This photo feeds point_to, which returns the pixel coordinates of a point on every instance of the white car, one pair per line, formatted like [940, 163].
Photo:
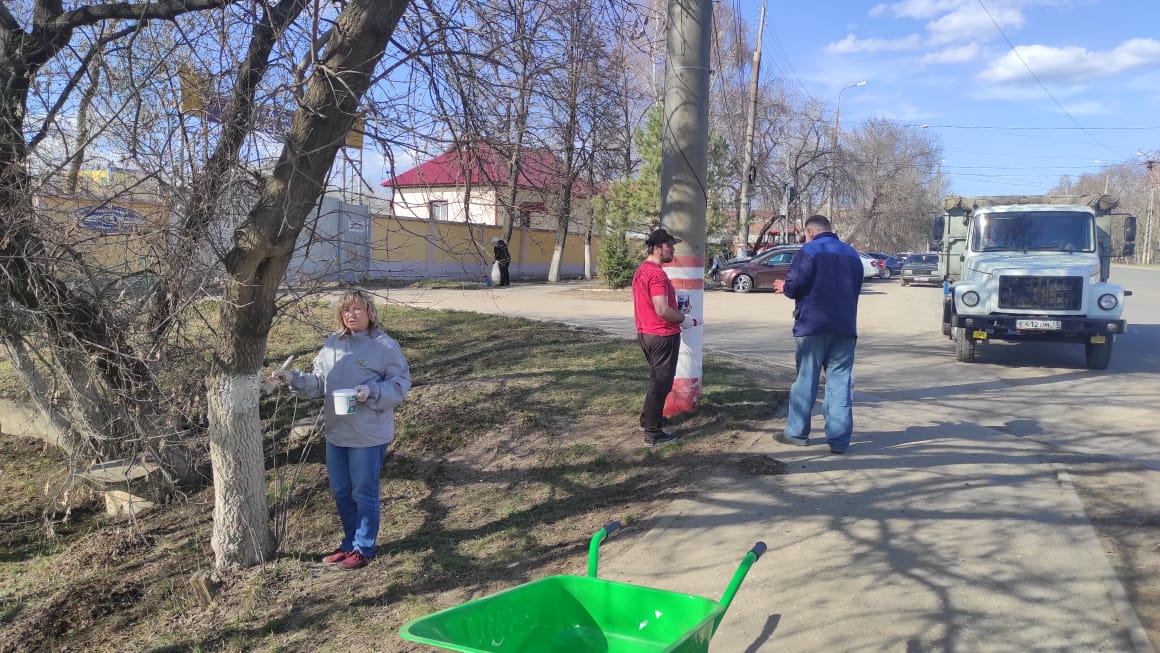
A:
[870, 266]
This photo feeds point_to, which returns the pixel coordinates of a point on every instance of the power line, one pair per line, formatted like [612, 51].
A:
[1013, 128]
[1039, 81]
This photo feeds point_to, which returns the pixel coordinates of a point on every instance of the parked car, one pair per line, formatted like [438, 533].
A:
[759, 272]
[871, 267]
[921, 268]
[901, 257]
[891, 265]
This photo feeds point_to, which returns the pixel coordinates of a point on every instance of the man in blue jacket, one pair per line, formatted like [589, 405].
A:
[824, 280]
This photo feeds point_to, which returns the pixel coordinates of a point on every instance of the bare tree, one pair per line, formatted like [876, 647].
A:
[892, 169]
[59, 319]
[55, 306]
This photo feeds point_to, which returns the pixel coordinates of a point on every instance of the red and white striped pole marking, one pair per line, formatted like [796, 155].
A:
[687, 274]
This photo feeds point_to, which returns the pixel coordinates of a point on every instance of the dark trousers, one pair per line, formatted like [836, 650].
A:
[504, 279]
[661, 353]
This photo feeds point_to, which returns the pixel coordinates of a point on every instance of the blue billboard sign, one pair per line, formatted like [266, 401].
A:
[108, 219]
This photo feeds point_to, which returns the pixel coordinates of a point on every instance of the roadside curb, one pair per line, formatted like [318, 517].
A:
[1116, 592]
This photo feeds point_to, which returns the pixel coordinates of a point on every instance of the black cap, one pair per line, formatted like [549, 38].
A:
[660, 237]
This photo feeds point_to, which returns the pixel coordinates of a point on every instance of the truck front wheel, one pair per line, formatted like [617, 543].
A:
[965, 350]
[1098, 355]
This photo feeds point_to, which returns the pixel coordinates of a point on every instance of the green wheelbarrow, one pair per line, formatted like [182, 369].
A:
[580, 614]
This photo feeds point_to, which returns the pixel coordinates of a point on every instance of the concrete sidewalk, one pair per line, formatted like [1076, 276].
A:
[925, 536]
[931, 534]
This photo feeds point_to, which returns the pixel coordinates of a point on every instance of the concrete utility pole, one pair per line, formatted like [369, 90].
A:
[1149, 228]
[749, 172]
[837, 159]
[684, 164]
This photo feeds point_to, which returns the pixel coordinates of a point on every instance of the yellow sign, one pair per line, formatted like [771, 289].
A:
[195, 89]
[354, 137]
[198, 96]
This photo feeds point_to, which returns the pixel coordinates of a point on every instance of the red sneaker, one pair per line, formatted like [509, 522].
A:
[355, 560]
[338, 556]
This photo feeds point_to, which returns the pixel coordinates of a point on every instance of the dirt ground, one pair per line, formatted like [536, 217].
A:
[494, 513]
[1118, 503]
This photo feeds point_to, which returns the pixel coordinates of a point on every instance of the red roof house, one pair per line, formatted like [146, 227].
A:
[436, 188]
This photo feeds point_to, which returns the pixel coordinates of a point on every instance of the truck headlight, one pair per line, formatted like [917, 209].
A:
[971, 298]
[1107, 302]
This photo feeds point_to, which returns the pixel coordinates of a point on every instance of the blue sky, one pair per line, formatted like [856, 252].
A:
[1084, 90]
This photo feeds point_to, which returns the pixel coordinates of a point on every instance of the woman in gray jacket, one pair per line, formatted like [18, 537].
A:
[358, 357]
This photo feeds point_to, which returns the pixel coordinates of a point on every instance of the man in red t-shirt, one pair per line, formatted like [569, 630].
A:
[658, 330]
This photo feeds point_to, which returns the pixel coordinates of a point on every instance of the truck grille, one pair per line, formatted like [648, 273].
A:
[1044, 293]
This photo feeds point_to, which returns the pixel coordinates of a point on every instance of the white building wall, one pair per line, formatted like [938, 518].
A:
[414, 203]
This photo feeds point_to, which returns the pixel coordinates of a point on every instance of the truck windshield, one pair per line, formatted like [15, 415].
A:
[1064, 231]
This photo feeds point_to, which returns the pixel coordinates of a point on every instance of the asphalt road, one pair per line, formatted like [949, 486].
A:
[1038, 391]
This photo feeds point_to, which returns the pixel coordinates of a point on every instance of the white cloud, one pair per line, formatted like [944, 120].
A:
[923, 9]
[852, 44]
[1071, 65]
[1090, 108]
[956, 54]
[969, 22]
[947, 22]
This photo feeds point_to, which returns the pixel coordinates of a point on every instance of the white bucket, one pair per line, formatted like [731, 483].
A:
[345, 402]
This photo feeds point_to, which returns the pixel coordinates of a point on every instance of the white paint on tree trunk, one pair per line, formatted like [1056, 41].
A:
[241, 534]
[554, 268]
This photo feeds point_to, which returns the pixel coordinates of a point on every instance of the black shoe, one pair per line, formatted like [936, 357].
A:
[780, 437]
[664, 421]
[837, 451]
[655, 439]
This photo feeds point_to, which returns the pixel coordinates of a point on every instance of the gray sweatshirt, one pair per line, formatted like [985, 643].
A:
[370, 358]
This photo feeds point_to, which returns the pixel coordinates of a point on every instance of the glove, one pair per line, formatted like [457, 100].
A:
[689, 322]
[362, 393]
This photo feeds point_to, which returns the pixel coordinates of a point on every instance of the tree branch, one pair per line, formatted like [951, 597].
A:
[167, 10]
[8, 22]
[81, 71]
[236, 123]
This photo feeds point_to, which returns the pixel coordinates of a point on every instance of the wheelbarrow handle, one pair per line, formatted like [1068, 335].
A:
[594, 546]
[738, 576]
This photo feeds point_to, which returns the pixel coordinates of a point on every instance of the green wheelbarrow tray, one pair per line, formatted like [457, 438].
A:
[580, 614]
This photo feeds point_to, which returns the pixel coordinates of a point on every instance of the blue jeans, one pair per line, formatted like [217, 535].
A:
[835, 354]
[354, 480]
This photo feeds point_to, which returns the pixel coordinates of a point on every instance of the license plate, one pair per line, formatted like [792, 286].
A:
[1099, 340]
[1038, 325]
[979, 335]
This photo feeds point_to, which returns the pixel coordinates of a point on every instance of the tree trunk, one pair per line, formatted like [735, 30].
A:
[59, 426]
[256, 266]
[241, 533]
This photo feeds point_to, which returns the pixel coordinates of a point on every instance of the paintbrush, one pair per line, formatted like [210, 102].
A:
[268, 387]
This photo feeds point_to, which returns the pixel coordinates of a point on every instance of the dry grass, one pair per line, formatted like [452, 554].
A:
[517, 442]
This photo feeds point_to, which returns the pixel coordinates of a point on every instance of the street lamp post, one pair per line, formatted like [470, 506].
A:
[837, 160]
